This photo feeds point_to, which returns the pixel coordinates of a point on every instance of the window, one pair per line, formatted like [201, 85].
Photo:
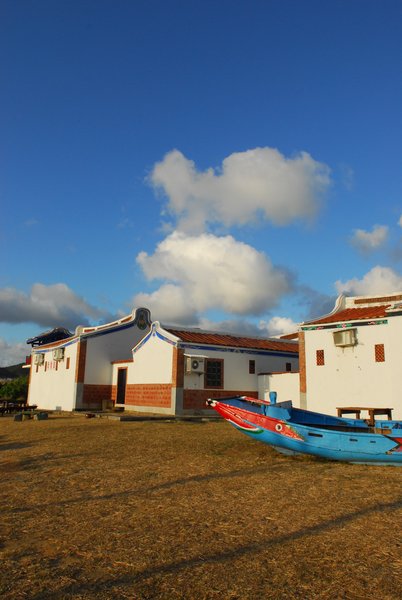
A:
[68, 362]
[251, 367]
[214, 373]
[288, 367]
[379, 353]
[320, 358]
[345, 337]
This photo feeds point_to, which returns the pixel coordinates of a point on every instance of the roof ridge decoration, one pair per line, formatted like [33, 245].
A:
[397, 296]
[141, 317]
[340, 304]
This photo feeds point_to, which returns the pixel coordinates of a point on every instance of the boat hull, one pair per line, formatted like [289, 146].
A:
[336, 439]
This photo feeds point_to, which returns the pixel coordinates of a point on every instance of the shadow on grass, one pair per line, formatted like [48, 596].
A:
[143, 492]
[16, 446]
[219, 557]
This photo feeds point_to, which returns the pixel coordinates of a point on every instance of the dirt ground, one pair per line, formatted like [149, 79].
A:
[95, 508]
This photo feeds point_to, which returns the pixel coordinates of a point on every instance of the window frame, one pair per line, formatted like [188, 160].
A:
[222, 376]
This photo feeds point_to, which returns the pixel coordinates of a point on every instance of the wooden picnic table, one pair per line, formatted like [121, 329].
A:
[11, 406]
[372, 412]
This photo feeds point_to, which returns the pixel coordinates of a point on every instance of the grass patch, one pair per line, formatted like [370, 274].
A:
[150, 510]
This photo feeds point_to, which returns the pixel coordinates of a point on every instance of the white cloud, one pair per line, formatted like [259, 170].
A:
[250, 185]
[13, 354]
[380, 280]
[367, 241]
[278, 326]
[232, 326]
[169, 304]
[208, 272]
[400, 221]
[46, 305]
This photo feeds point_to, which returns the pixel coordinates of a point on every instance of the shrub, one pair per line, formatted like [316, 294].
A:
[15, 389]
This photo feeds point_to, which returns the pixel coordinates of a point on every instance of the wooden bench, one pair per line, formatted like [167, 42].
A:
[372, 412]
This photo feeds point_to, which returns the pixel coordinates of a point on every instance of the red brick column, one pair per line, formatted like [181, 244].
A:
[81, 359]
[302, 363]
[178, 368]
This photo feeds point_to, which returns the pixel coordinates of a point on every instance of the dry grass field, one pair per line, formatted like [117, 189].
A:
[95, 508]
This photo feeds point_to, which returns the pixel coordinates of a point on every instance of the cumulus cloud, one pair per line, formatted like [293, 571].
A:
[46, 305]
[380, 280]
[12, 354]
[277, 326]
[367, 241]
[169, 304]
[206, 272]
[251, 184]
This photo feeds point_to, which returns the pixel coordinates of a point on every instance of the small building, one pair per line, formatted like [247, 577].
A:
[175, 370]
[353, 356]
[74, 371]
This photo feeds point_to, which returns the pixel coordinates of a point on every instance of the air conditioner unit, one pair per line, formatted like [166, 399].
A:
[58, 354]
[195, 364]
[39, 359]
[345, 337]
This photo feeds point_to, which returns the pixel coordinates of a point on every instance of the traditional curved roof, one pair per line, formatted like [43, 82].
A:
[194, 336]
[353, 314]
[48, 337]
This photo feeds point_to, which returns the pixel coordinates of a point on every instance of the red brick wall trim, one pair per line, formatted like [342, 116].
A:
[196, 399]
[144, 394]
[95, 394]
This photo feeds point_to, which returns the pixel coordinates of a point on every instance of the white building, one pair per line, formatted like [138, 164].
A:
[353, 356]
[133, 364]
[175, 370]
[76, 372]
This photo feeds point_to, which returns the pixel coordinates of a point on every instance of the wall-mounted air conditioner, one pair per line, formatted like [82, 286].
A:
[195, 364]
[345, 337]
[39, 359]
[58, 354]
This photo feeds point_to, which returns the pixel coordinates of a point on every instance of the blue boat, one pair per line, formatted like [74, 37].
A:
[296, 431]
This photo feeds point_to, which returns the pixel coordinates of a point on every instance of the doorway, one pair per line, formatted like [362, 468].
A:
[121, 386]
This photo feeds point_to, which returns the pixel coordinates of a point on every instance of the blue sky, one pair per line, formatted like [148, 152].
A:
[230, 164]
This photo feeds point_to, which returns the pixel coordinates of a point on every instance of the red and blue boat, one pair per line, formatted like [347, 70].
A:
[296, 431]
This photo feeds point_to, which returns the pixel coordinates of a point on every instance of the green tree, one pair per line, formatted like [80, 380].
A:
[15, 389]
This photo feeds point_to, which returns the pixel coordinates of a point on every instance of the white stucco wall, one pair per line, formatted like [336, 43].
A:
[52, 389]
[152, 363]
[350, 375]
[286, 386]
[103, 349]
[236, 368]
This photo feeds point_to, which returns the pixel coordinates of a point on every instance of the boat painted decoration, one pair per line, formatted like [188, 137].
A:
[296, 431]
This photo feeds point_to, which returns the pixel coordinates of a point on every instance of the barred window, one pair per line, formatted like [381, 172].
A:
[379, 353]
[214, 373]
[320, 358]
[251, 367]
